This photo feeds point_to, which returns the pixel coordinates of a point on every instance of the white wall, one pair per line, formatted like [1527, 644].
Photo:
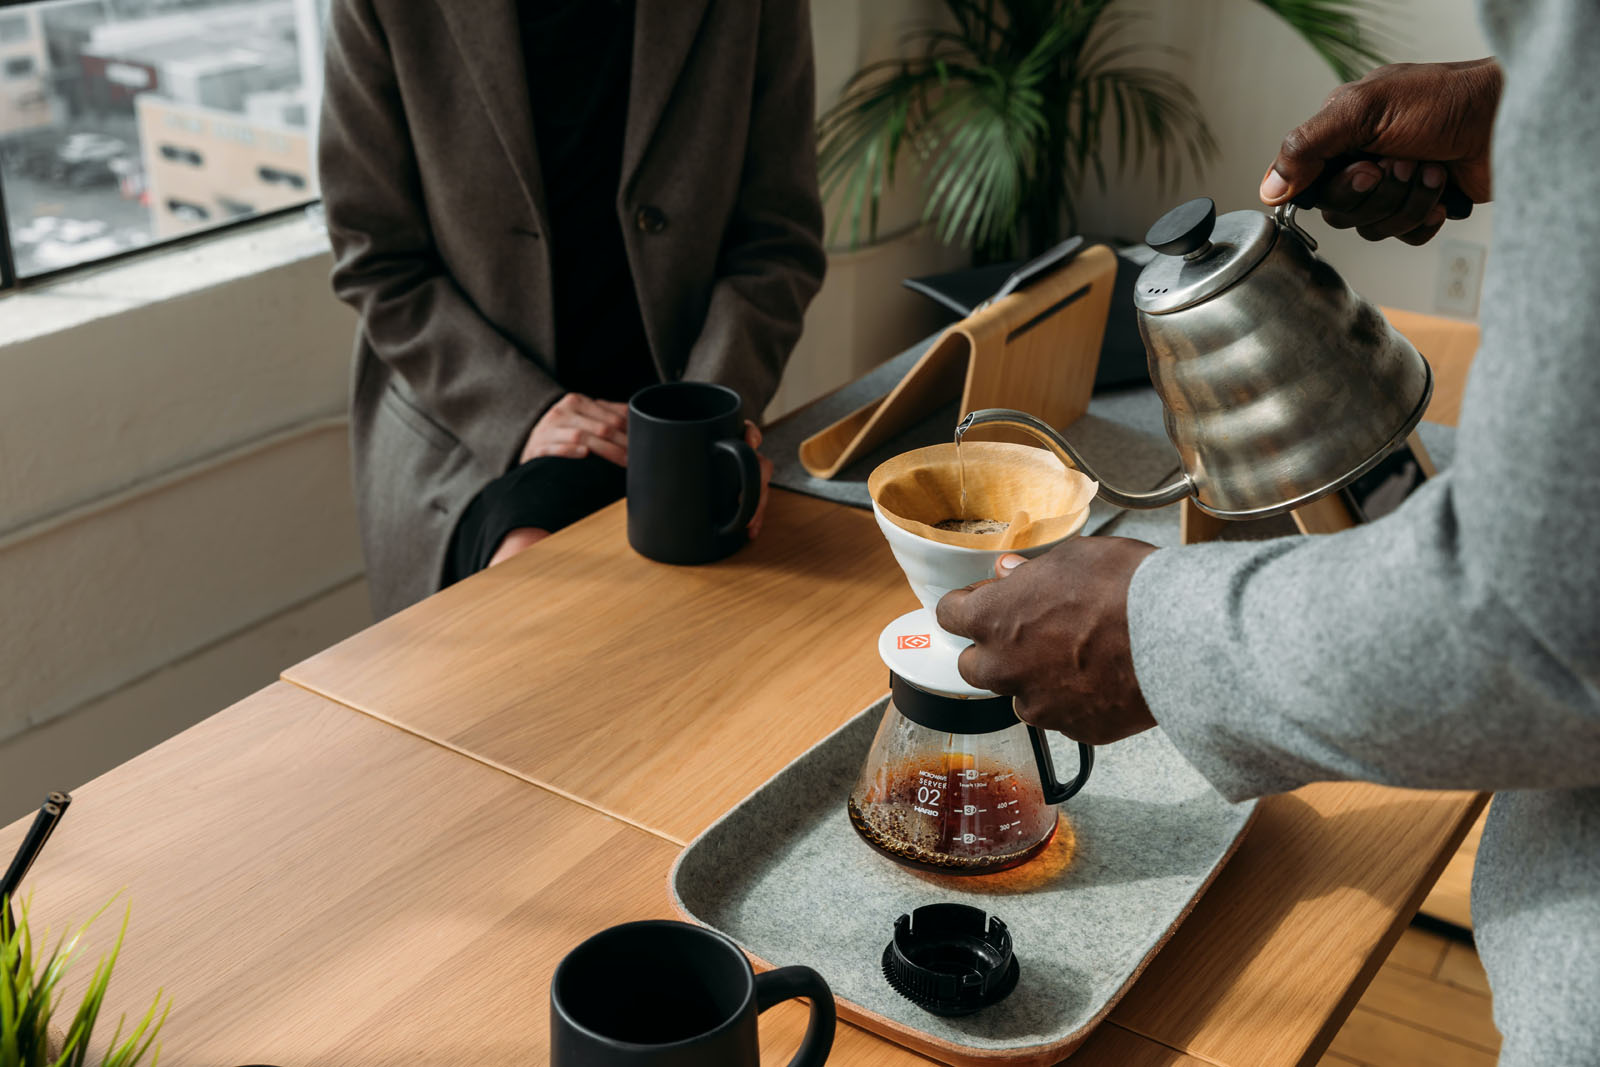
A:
[175, 512]
[1256, 80]
[863, 315]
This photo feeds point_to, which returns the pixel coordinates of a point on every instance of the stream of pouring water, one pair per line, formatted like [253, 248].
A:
[961, 465]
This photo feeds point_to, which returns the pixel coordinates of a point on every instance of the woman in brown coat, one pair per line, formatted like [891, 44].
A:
[537, 208]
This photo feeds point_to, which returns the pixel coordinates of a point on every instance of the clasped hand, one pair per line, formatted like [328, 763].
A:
[577, 426]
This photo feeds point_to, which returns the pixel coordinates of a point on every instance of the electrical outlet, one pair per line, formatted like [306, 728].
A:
[1460, 278]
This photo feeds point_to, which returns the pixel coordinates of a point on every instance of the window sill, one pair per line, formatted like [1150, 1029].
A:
[130, 373]
[159, 275]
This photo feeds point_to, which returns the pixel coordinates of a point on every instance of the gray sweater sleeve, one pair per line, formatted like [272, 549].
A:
[1456, 643]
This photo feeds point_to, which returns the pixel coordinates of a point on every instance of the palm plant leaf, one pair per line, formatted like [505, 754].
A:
[1334, 28]
[1155, 115]
[860, 139]
[989, 125]
[1009, 108]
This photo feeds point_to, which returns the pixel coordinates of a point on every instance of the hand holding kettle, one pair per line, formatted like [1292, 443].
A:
[1396, 153]
[1053, 632]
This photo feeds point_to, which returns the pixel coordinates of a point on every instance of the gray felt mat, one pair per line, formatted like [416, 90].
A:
[785, 876]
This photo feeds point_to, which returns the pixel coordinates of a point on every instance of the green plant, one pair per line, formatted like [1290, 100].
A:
[1008, 109]
[29, 994]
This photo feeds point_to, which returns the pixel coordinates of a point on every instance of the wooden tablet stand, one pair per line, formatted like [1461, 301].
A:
[1036, 350]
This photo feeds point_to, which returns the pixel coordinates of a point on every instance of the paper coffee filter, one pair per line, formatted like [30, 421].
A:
[917, 489]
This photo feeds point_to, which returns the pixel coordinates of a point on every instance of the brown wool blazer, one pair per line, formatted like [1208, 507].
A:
[430, 179]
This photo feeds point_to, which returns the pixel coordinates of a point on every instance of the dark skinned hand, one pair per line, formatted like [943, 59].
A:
[1430, 125]
[1052, 633]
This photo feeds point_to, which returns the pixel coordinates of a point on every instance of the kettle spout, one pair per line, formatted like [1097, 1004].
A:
[1047, 435]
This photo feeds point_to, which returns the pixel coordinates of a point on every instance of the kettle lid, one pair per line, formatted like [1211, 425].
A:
[1200, 254]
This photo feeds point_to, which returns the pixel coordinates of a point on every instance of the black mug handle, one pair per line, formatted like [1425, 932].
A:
[786, 983]
[749, 484]
[1054, 791]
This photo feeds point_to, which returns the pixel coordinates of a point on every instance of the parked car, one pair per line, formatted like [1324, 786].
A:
[31, 155]
[77, 161]
[52, 227]
[50, 242]
[86, 159]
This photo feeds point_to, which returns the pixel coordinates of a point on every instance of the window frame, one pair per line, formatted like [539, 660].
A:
[11, 281]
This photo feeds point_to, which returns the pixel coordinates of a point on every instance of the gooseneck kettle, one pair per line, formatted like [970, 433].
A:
[1281, 384]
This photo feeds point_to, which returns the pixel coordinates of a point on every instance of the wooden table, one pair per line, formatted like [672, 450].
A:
[306, 882]
[659, 694]
[311, 886]
[663, 695]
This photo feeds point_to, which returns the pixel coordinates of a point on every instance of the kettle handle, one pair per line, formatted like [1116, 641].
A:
[1285, 219]
[1457, 204]
[1054, 791]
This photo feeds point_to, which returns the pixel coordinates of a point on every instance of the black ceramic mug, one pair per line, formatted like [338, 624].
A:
[693, 482]
[668, 994]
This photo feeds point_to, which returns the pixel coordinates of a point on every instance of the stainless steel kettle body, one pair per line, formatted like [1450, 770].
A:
[1280, 383]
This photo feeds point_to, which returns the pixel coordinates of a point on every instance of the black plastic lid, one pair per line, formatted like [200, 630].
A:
[951, 959]
[951, 714]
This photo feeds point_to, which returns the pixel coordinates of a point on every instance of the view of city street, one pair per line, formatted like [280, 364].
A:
[57, 224]
[124, 122]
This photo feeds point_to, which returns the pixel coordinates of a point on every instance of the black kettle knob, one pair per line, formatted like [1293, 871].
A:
[1184, 229]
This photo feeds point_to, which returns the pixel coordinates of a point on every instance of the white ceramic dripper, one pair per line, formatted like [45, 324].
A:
[914, 646]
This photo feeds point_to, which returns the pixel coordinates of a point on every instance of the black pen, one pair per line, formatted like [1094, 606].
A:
[44, 825]
[60, 800]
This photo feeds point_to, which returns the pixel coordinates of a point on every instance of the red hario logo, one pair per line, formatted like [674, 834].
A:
[914, 640]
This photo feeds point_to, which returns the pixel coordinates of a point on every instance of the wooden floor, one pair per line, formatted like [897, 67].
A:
[1429, 1005]
[1448, 901]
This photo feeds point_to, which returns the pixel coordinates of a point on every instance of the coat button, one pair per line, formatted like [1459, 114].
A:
[650, 219]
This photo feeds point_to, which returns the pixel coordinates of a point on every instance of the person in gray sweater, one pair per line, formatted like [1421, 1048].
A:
[1454, 644]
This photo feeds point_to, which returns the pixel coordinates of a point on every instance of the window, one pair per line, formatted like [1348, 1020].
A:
[137, 121]
[182, 155]
[188, 210]
[274, 176]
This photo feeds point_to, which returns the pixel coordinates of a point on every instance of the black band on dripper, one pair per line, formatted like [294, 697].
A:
[951, 959]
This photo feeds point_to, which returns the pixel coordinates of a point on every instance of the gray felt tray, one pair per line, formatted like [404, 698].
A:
[785, 876]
